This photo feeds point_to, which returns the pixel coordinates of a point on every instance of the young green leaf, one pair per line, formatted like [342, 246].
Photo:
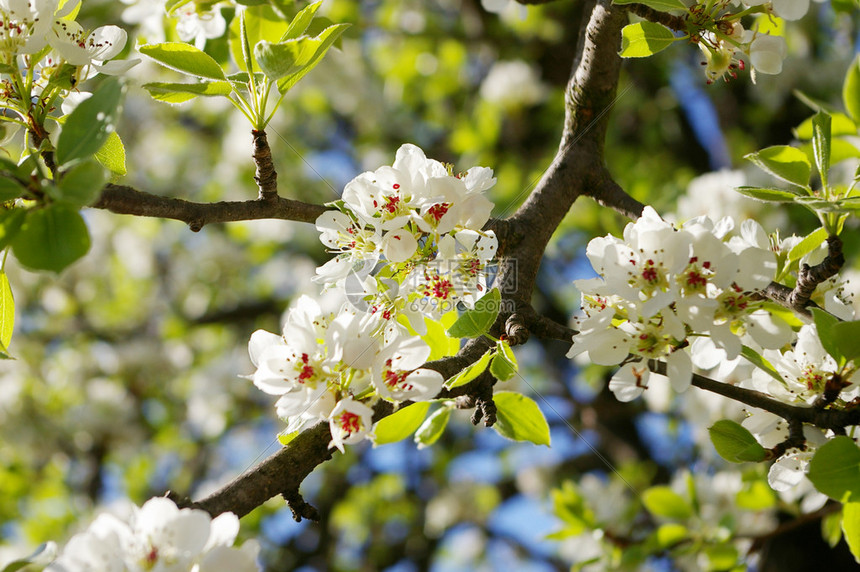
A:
[847, 338]
[90, 124]
[301, 22]
[767, 194]
[787, 163]
[477, 321]
[285, 58]
[81, 184]
[644, 39]
[11, 222]
[327, 38]
[840, 124]
[7, 312]
[181, 92]
[824, 323]
[835, 469]
[821, 144]
[851, 527]
[51, 238]
[184, 58]
[734, 443]
[760, 362]
[441, 344]
[470, 372]
[851, 90]
[520, 419]
[504, 364]
[831, 528]
[112, 155]
[433, 427]
[400, 424]
[663, 501]
[262, 23]
[10, 188]
[809, 243]
[43, 555]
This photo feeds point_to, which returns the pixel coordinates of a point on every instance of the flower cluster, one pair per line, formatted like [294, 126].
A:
[47, 54]
[408, 240]
[159, 536]
[409, 246]
[664, 292]
[723, 52]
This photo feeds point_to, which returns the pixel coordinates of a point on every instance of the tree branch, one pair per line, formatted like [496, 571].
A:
[265, 174]
[121, 199]
[671, 21]
[810, 277]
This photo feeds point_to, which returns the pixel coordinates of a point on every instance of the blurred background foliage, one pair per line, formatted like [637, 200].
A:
[126, 382]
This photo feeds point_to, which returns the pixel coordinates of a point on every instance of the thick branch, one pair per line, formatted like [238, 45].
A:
[810, 277]
[671, 21]
[121, 199]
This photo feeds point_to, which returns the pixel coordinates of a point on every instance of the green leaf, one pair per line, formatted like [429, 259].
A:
[7, 312]
[433, 427]
[81, 185]
[721, 557]
[824, 323]
[734, 443]
[441, 344]
[262, 23]
[670, 534]
[301, 22]
[520, 419]
[10, 188]
[760, 362]
[851, 527]
[400, 424]
[285, 58]
[840, 124]
[821, 136]
[831, 528]
[286, 439]
[182, 92]
[787, 163]
[847, 338]
[42, 555]
[644, 39]
[663, 501]
[661, 5]
[809, 243]
[184, 58]
[504, 364]
[51, 238]
[851, 90]
[327, 38]
[88, 127]
[112, 155]
[11, 222]
[477, 321]
[835, 469]
[759, 496]
[470, 372]
[768, 194]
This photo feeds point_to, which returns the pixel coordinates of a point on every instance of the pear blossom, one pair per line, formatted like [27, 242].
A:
[767, 53]
[661, 289]
[350, 422]
[397, 374]
[24, 25]
[199, 25]
[158, 536]
[90, 50]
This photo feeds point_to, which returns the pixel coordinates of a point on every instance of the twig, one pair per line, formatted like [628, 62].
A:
[265, 174]
[671, 21]
[121, 199]
[810, 277]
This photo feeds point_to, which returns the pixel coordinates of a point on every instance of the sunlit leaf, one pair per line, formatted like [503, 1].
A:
[400, 424]
[184, 58]
[735, 443]
[809, 243]
[824, 323]
[470, 372]
[477, 321]
[81, 184]
[663, 501]
[112, 155]
[7, 312]
[767, 194]
[760, 362]
[182, 92]
[851, 90]
[821, 137]
[787, 163]
[433, 427]
[851, 527]
[644, 39]
[504, 363]
[520, 419]
[847, 338]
